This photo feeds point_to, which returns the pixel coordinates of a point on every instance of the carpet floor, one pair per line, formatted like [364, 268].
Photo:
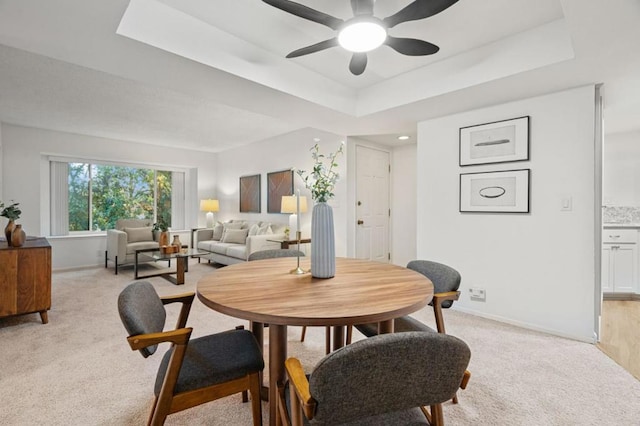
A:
[79, 370]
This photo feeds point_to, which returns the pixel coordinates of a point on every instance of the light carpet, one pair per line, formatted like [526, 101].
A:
[79, 370]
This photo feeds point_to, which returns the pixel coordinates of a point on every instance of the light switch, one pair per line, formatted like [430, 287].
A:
[566, 204]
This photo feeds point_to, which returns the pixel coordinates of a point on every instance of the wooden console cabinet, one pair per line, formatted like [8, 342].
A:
[25, 278]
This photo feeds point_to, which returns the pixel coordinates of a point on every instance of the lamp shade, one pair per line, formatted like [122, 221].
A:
[209, 205]
[288, 204]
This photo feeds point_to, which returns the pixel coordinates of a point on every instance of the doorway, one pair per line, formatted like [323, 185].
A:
[372, 204]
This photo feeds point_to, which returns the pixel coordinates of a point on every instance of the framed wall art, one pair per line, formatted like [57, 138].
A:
[495, 192]
[278, 184]
[250, 194]
[497, 142]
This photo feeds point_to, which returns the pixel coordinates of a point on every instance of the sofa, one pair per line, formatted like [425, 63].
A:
[233, 241]
[128, 236]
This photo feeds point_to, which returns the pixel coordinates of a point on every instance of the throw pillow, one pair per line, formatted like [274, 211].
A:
[217, 231]
[265, 230]
[253, 230]
[237, 236]
[136, 235]
[230, 225]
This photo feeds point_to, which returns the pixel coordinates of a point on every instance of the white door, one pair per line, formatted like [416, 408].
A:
[372, 204]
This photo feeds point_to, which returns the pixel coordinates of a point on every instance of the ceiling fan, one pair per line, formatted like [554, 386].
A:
[364, 32]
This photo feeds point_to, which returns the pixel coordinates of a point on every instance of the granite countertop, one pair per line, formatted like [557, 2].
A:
[621, 225]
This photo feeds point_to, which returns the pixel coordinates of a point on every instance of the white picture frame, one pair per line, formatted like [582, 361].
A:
[496, 142]
[495, 192]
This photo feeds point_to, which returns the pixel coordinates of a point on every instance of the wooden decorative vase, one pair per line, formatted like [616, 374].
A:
[8, 230]
[323, 245]
[18, 237]
[164, 239]
[177, 244]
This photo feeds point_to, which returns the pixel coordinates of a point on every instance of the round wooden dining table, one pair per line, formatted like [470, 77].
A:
[265, 292]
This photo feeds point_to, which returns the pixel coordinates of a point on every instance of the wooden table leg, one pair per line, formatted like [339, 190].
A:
[180, 261]
[277, 356]
[338, 337]
[257, 328]
[385, 327]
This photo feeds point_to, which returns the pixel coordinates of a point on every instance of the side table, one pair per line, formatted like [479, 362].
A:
[284, 244]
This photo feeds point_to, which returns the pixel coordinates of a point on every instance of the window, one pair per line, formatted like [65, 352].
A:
[92, 197]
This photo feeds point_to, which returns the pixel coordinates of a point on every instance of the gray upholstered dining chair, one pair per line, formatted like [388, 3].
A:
[192, 371]
[384, 380]
[271, 254]
[446, 282]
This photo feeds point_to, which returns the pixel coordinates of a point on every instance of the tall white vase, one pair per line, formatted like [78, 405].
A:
[323, 244]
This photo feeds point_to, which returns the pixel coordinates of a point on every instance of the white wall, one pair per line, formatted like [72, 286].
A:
[272, 155]
[403, 204]
[621, 174]
[538, 268]
[26, 180]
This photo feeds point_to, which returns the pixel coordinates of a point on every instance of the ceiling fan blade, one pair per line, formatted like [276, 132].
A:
[358, 63]
[419, 9]
[362, 7]
[314, 48]
[306, 12]
[411, 46]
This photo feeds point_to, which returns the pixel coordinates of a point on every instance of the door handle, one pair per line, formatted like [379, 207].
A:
[360, 222]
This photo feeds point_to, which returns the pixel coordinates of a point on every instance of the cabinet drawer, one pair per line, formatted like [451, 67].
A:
[619, 236]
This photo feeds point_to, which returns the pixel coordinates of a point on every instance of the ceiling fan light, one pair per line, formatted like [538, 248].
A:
[362, 36]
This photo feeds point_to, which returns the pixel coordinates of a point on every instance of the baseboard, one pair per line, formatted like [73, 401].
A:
[621, 296]
[520, 324]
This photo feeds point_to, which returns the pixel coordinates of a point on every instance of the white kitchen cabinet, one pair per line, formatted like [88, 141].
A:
[619, 261]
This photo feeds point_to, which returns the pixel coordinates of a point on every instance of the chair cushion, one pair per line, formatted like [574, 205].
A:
[141, 311]
[410, 417]
[443, 277]
[135, 235]
[214, 359]
[400, 325]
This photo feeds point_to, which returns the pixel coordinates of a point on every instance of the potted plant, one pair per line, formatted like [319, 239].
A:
[162, 227]
[11, 212]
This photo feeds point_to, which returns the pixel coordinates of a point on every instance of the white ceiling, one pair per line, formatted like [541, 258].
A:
[211, 75]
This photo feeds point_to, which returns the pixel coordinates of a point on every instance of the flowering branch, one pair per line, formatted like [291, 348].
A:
[323, 178]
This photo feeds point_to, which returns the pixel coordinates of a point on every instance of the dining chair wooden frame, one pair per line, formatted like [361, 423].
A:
[167, 402]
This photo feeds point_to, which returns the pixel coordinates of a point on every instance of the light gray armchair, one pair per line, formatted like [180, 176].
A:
[128, 236]
[384, 380]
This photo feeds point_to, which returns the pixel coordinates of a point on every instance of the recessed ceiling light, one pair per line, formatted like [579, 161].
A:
[403, 137]
[316, 139]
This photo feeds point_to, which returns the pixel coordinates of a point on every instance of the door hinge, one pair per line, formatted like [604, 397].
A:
[389, 212]
[389, 256]
[389, 168]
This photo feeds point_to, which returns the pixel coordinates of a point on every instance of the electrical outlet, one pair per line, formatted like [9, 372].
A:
[478, 294]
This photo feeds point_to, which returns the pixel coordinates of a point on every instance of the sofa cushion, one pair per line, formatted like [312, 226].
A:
[253, 230]
[230, 225]
[135, 235]
[236, 236]
[264, 230]
[221, 248]
[131, 248]
[237, 251]
[217, 231]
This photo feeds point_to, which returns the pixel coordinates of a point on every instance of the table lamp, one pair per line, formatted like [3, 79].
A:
[209, 206]
[294, 204]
